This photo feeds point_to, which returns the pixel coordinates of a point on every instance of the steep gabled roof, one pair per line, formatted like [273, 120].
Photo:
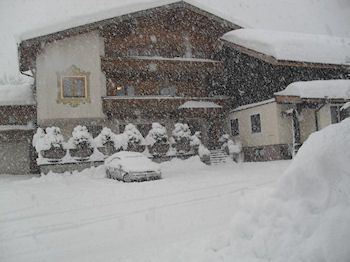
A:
[91, 22]
[32, 41]
[285, 47]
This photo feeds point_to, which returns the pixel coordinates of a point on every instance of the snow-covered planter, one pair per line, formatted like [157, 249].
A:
[50, 144]
[232, 148]
[80, 143]
[105, 142]
[182, 138]
[135, 141]
[204, 154]
[157, 140]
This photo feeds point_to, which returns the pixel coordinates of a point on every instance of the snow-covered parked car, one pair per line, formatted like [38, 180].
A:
[131, 166]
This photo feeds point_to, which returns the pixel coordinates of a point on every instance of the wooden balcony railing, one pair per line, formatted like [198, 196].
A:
[160, 64]
[148, 106]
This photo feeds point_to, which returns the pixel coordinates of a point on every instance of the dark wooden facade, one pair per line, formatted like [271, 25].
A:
[252, 77]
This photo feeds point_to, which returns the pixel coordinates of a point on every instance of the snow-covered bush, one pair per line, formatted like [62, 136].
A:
[49, 144]
[157, 140]
[81, 142]
[104, 138]
[105, 141]
[182, 138]
[136, 142]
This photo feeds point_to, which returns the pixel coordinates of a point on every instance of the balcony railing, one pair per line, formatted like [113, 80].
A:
[159, 64]
[158, 105]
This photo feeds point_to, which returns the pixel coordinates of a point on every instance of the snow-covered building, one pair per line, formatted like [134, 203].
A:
[157, 64]
[259, 63]
[276, 128]
[17, 123]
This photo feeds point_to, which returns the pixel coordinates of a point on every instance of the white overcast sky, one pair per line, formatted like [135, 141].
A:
[330, 17]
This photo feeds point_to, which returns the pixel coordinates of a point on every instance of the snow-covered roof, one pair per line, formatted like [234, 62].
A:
[16, 91]
[253, 105]
[320, 89]
[199, 104]
[123, 9]
[290, 46]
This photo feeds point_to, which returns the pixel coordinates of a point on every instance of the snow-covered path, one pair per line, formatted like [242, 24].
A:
[85, 217]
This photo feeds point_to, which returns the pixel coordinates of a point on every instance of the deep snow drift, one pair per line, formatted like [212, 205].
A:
[306, 218]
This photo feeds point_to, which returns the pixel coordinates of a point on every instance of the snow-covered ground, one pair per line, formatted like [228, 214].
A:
[86, 217]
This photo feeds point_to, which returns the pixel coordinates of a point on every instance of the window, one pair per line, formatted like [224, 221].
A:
[145, 52]
[133, 52]
[73, 86]
[125, 91]
[234, 127]
[255, 123]
[154, 52]
[168, 90]
[335, 114]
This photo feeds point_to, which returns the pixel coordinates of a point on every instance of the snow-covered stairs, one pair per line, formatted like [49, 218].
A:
[218, 156]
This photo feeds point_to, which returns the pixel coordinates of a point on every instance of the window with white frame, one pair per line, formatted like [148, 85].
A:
[255, 122]
[234, 127]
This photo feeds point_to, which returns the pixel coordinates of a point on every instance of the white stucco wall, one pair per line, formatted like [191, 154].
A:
[84, 52]
[269, 117]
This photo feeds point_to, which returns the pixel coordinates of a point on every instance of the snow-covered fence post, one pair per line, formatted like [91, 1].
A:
[157, 140]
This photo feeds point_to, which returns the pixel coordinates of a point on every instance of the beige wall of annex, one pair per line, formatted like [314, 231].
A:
[269, 134]
[284, 125]
[82, 51]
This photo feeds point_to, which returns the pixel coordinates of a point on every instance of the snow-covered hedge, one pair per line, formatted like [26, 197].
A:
[181, 138]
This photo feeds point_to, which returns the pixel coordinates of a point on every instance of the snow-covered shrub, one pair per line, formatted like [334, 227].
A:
[81, 143]
[182, 138]
[105, 142]
[81, 138]
[157, 140]
[49, 144]
[136, 142]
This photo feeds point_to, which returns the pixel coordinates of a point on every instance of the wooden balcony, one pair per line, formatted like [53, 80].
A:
[148, 107]
[160, 64]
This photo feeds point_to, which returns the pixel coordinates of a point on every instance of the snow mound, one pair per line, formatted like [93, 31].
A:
[306, 218]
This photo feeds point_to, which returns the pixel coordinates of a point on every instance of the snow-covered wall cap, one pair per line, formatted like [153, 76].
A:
[253, 105]
[125, 8]
[329, 89]
[199, 104]
[290, 46]
[16, 91]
